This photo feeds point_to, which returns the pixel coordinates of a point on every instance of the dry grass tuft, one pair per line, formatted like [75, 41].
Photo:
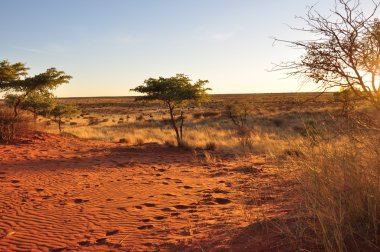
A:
[340, 187]
[11, 128]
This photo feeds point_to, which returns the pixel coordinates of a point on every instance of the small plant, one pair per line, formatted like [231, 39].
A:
[210, 114]
[139, 141]
[209, 158]
[238, 114]
[169, 143]
[210, 146]
[197, 115]
[93, 121]
[277, 122]
[124, 140]
[139, 118]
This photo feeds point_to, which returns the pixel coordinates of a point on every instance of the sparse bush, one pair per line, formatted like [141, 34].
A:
[12, 127]
[169, 143]
[238, 114]
[139, 118]
[197, 115]
[139, 141]
[210, 146]
[210, 114]
[124, 140]
[93, 121]
[277, 122]
[209, 158]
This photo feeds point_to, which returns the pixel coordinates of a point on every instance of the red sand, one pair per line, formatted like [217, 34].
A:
[62, 194]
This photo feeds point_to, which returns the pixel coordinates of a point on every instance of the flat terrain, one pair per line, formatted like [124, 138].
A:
[96, 193]
[61, 193]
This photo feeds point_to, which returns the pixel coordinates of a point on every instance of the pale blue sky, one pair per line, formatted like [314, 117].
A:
[110, 46]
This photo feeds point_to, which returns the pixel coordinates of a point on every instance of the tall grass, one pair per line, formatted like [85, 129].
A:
[340, 188]
[223, 137]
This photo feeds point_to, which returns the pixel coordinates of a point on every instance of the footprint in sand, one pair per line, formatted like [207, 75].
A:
[183, 207]
[84, 243]
[40, 189]
[145, 220]
[79, 201]
[101, 241]
[58, 249]
[188, 187]
[15, 181]
[145, 227]
[121, 208]
[175, 214]
[222, 201]
[159, 217]
[169, 195]
[166, 209]
[112, 232]
[149, 204]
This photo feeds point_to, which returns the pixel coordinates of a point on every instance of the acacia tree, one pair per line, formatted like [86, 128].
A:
[62, 111]
[174, 92]
[345, 52]
[42, 83]
[14, 80]
[38, 103]
[10, 73]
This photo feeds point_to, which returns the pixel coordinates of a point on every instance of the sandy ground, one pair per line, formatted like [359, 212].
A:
[66, 194]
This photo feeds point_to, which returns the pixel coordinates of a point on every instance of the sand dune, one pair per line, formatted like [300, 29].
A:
[62, 193]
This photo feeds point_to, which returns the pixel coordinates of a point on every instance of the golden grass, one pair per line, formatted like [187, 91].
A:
[339, 184]
[339, 174]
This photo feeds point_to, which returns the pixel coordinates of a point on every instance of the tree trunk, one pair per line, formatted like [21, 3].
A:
[59, 126]
[181, 125]
[15, 109]
[172, 119]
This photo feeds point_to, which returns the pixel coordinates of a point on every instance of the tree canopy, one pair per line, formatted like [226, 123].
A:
[345, 52]
[10, 73]
[42, 82]
[173, 91]
[15, 81]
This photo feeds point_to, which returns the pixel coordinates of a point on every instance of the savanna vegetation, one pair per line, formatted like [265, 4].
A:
[328, 139]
